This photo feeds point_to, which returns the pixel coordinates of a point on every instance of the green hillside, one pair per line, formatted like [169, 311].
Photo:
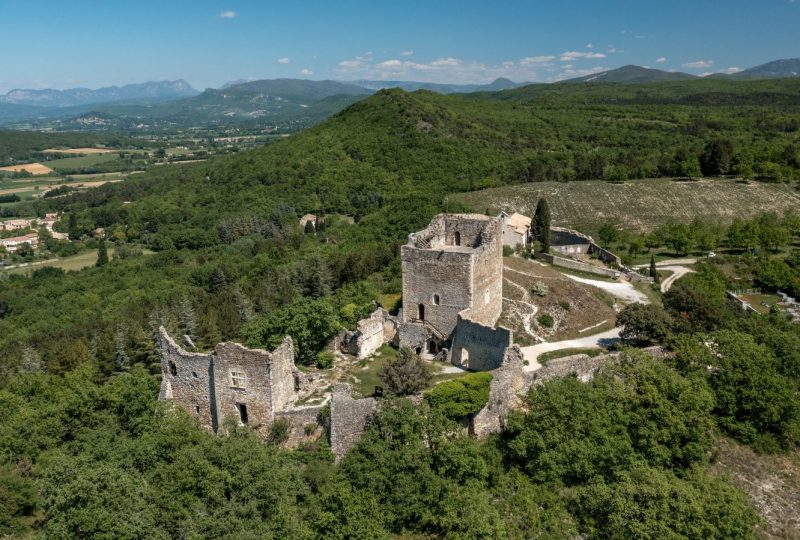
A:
[86, 450]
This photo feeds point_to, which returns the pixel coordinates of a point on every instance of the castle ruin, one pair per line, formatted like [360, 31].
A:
[453, 278]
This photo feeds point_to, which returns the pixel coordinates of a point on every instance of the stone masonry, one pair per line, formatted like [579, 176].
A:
[251, 385]
[350, 417]
[453, 267]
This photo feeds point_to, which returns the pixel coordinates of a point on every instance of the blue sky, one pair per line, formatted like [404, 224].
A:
[93, 43]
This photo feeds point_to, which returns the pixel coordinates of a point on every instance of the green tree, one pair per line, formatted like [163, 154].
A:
[654, 270]
[405, 374]
[102, 254]
[717, 158]
[541, 224]
[608, 234]
[643, 324]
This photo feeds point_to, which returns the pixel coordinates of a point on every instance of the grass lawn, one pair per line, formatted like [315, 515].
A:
[363, 374]
[761, 302]
[76, 262]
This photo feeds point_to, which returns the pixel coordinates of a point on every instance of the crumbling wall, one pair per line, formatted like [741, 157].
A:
[414, 336]
[231, 381]
[349, 418]
[505, 394]
[479, 347]
[186, 379]
[305, 425]
[368, 337]
[555, 260]
[571, 242]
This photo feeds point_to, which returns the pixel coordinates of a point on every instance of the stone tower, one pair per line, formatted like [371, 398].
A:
[452, 268]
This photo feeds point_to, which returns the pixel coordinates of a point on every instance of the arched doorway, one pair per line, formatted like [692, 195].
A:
[457, 238]
[433, 347]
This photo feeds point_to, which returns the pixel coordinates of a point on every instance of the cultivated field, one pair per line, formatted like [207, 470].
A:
[637, 206]
[35, 169]
[77, 151]
[82, 161]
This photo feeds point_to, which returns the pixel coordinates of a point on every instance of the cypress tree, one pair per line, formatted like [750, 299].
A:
[653, 270]
[309, 229]
[541, 224]
[102, 254]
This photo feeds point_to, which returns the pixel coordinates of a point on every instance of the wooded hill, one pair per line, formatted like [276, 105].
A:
[84, 448]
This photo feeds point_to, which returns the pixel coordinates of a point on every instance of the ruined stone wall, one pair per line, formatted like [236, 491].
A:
[571, 242]
[507, 387]
[214, 386]
[369, 335]
[349, 418]
[414, 336]
[582, 366]
[487, 278]
[479, 347]
[186, 379]
[304, 424]
[577, 265]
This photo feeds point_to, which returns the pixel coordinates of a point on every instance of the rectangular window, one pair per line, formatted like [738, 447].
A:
[237, 379]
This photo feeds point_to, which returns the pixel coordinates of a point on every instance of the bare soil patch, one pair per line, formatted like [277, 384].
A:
[35, 169]
[77, 151]
[573, 306]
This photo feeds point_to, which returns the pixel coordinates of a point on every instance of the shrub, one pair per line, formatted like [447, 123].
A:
[461, 397]
[407, 374]
[325, 359]
[546, 320]
[540, 288]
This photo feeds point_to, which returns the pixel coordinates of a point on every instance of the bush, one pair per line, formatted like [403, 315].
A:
[508, 251]
[325, 359]
[546, 320]
[406, 374]
[461, 397]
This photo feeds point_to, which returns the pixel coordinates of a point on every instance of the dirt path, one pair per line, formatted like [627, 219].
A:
[623, 290]
[677, 273]
[531, 312]
[603, 339]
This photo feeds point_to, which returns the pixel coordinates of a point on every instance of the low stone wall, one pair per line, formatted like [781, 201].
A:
[577, 265]
[368, 336]
[349, 418]
[479, 347]
[582, 366]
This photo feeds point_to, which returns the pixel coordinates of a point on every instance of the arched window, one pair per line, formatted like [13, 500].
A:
[457, 238]
[435, 299]
[421, 312]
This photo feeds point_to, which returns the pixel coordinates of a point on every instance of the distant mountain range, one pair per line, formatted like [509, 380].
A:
[288, 103]
[778, 69]
[149, 91]
[411, 86]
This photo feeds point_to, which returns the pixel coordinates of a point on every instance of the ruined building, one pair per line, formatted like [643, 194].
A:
[251, 385]
[453, 291]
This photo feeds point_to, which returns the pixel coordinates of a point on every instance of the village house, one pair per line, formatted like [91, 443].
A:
[516, 229]
[15, 224]
[13, 244]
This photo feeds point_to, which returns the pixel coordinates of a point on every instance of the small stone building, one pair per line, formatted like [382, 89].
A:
[516, 229]
[452, 271]
[251, 385]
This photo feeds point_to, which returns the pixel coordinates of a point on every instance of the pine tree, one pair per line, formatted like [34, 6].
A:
[188, 319]
[654, 270]
[102, 254]
[309, 227]
[541, 224]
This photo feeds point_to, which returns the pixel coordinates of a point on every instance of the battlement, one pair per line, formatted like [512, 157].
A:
[456, 232]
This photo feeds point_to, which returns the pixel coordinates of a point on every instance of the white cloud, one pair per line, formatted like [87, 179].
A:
[228, 15]
[283, 60]
[706, 73]
[569, 56]
[306, 71]
[699, 64]
[661, 59]
[406, 53]
[536, 60]
[612, 50]
[732, 70]
[573, 73]
[589, 46]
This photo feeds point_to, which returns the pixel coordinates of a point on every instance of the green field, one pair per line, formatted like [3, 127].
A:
[637, 206]
[81, 161]
[76, 262]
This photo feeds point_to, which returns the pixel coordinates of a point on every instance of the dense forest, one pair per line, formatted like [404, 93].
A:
[85, 450]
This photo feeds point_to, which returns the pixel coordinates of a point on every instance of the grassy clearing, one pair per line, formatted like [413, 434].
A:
[81, 161]
[761, 302]
[76, 262]
[363, 374]
[637, 206]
